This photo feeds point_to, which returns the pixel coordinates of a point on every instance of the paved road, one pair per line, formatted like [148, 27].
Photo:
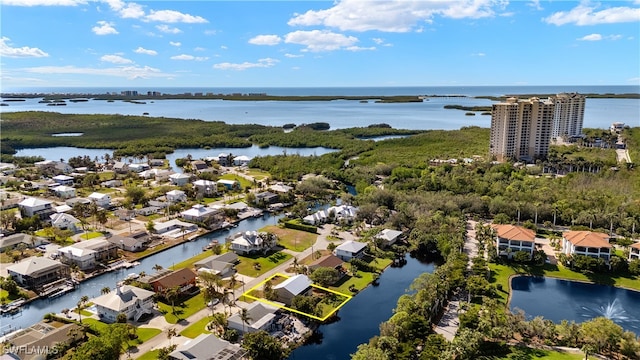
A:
[158, 322]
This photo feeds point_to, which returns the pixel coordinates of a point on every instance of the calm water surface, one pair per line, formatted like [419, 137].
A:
[557, 300]
[360, 318]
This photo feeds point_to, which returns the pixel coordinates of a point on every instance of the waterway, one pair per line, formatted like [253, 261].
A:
[360, 318]
[558, 300]
[34, 311]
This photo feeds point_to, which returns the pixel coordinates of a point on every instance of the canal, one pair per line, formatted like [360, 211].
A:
[34, 311]
[360, 318]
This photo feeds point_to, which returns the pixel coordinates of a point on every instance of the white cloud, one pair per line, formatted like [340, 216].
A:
[172, 16]
[262, 63]
[199, 49]
[141, 50]
[130, 72]
[378, 41]
[634, 80]
[21, 52]
[360, 48]
[223, 47]
[265, 40]
[293, 55]
[480, 54]
[598, 37]
[535, 4]
[104, 28]
[128, 10]
[320, 40]
[189, 57]
[44, 2]
[175, 43]
[168, 29]
[116, 59]
[394, 15]
[584, 14]
[210, 32]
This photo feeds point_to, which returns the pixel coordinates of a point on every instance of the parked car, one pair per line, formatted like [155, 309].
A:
[213, 302]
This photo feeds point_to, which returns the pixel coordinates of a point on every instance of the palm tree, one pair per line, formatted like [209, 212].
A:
[157, 267]
[81, 305]
[245, 318]
[171, 333]
[172, 295]
[105, 290]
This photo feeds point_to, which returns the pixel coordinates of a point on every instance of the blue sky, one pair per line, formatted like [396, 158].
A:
[65, 43]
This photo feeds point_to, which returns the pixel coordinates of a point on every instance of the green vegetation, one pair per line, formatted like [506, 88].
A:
[150, 355]
[589, 96]
[190, 261]
[183, 310]
[257, 265]
[199, 327]
[469, 108]
[294, 240]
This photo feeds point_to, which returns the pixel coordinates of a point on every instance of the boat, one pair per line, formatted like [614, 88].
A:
[210, 245]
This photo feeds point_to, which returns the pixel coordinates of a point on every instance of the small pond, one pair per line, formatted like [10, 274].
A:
[557, 300]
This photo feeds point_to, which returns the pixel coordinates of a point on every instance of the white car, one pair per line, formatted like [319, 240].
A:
[213, 302]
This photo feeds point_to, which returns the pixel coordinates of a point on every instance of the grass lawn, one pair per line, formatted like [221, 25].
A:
[268, 262]
[197, 328]
[145, 334]
[380, 263]
[243, 182]
[183, 310]
[546, 355]
[294, 240]
[257, 174]
[189, 262]
[91, 235]
[151, 355]
[359, 282]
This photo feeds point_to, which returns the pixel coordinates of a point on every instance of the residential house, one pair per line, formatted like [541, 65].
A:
[634, 252]
[64, 221]
[297, 285]
[241, 160]
[156, 174]
[158, 204]
[223, 264]
[179, 179]
[89, 253]
[184, 279]
[229, 184]
[33, 206]
[35, 272]
[206, 187]
[208, 347]
[77, 200]
[199, 165]
[329, 260]
[111, 183]
[55, 166]
[64, 192]
[120, 167]
[129, 300]
[389, 237]
[174, 226]
[176, 196]
[32, 343]
[125, 214]
[62, 208]
[138, 168]
[281, 188]
[102, 200]
[129, 243]
[594, 244]
[250, 242]
[511, 239]
[267, 197]
[63, 179]
[200, 213]
[260, 317]
[334, 214]
[147, 210]
[156, 162]
[10, 242]
[225, 159]
[240, 206]
[350, 249]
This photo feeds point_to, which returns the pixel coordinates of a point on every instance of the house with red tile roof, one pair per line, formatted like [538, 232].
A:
[634, 252]
[589, 243]
[516, 238]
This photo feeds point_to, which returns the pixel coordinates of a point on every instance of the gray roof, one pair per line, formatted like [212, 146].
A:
[226, 258]
[388, 234]
[351, 246]
[33, 265]
[206, 347]
[126, 240]
[259, 314]
[123, 297]
[15, 239]
[295, 285]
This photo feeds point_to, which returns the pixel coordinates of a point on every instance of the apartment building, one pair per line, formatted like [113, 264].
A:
[568, 115]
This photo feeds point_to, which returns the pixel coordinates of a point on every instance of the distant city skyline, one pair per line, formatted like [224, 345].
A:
[348, 43]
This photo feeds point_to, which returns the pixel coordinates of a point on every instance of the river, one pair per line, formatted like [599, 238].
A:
[34, 311]
[360, 318]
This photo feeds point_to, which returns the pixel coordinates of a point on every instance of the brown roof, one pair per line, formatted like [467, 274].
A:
[327, 261]
[176, 278]
[512, 232]
[588, 239]
[636, 245]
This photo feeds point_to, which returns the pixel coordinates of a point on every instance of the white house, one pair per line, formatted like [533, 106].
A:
[64, 192]
[594, 244]
[207, 346]
[634, 252]
[176, 196]
[349, 250]
[35, 272]
[229, 184]
[156, 174]
[102, 200]
[33, 206]
[87, 254]
[129, 243]
[138, 168]
[206, 187]
[129, 300]
[199, 213]
[64, 221]
[251, 241]
[346, 213]
[297, 285]
[54, 165]
[241, 160]
[389, 236]
[179, 179]
[175, 227]
[261, 317]
[281, 188]
[63, 179]
[516, 238]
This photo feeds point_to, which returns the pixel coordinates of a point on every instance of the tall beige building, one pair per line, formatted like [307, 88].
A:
[569, 115]
[521, 129]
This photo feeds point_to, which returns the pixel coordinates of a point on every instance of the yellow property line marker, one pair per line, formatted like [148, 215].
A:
[280, 306]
